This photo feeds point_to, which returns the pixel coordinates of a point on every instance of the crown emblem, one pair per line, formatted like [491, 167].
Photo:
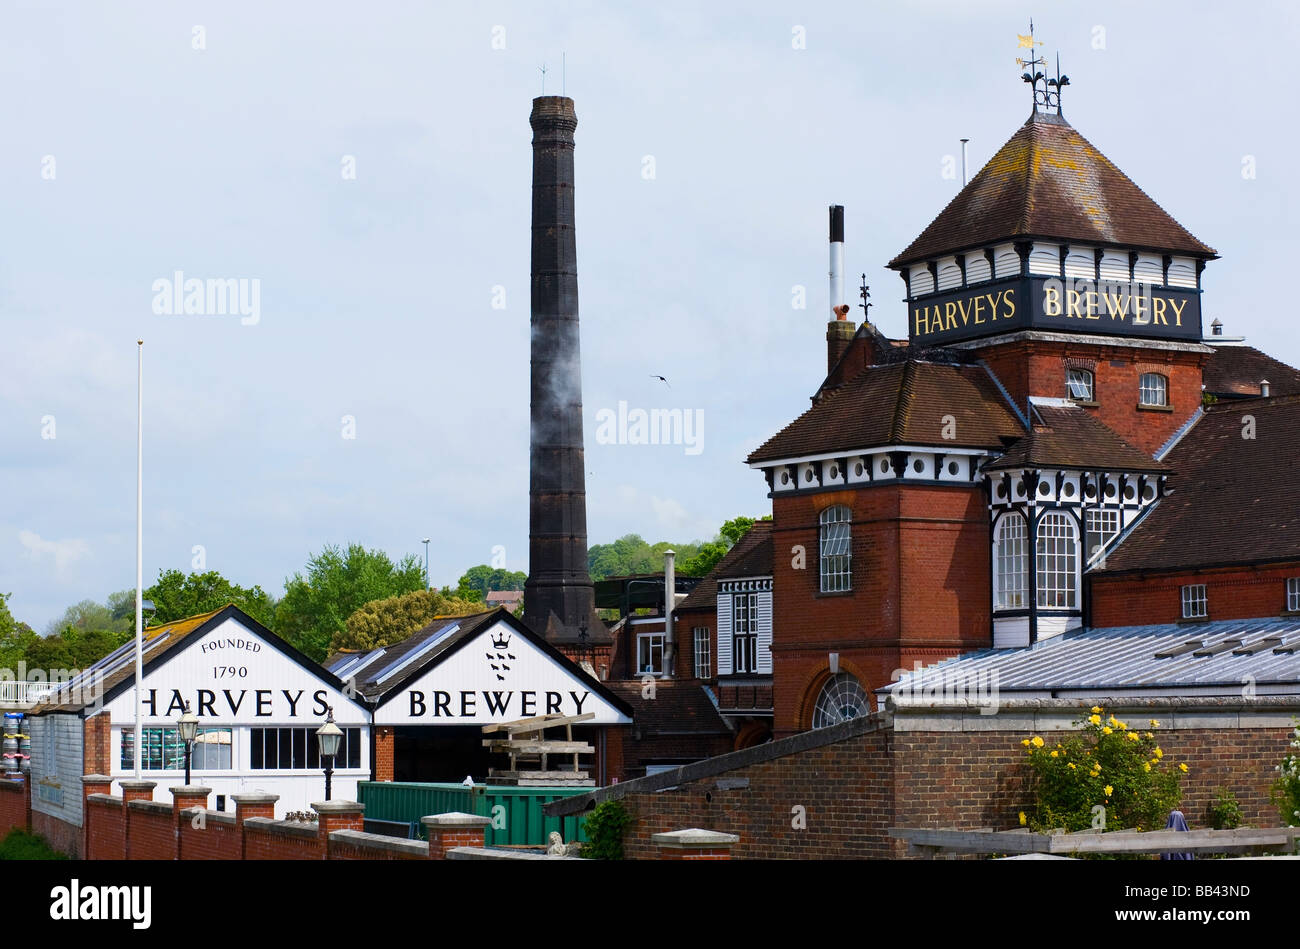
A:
[501, 641]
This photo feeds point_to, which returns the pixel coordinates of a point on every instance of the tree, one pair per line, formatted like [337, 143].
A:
[713, 551]
[484, 579]
[390, 620]
[15, 637]
[87, 615]
[631, 554]
[316, 608]
[176, 596]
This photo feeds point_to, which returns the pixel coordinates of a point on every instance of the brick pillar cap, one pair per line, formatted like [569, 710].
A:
[96, 779]
[695, 837]
[138, 785]
[455, 819]
[191, 790]
[256, 797]
[338, 807]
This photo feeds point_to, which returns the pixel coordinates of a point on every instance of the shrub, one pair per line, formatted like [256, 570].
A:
[20, 845]
[1286, 789]
[605, 826]
[1224, 813]
[1108, 765]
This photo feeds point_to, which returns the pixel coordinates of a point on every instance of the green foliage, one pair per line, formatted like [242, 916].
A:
[605, 826]
[15, 637]
[1108, 764]
[482, 580]
[88, 615]
[713, 551]
[631, 554]
[316, 608]
[176, 596]
[20, 845]
[1223, 813]
[1286, 789]
[390, 620]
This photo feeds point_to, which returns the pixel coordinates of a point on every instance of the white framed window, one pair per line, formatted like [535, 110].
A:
[1057, 562]
[703, 659]
[297, 749]
[1293, 594]
[650, 654]
[744, 633]
[1079, 385]
[835, 548]
[164, 750]
[1195, 604]
[841, 698]
[1102, 528]
[1012, 562]
[1153, 389]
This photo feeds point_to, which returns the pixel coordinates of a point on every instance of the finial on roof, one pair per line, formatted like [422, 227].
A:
[865, 293]
[1047, 92]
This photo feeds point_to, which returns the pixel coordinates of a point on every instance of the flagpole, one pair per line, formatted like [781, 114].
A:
[139, 548]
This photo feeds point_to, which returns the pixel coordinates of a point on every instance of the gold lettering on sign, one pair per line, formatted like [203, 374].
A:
[1051, 301]
[979, 305]
[1007, 295]
[1139, 307]
[1158, 311]
[1090, 304]
[1177, 307]
[919, 314]
[950, 314]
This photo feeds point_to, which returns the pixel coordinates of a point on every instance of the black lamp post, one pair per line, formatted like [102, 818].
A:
[188, 726]
[328, 737]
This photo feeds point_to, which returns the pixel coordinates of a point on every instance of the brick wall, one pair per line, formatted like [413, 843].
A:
[385, 744]
[1028, 368]
[923, 546]
[848, 792]
[216, 838]
[267, 839]
[97, 745]
[150, 831]
[105, 828]
[14, 807]
[1231, 593]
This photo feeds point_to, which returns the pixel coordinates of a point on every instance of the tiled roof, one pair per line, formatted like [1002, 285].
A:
[678, 707]
[900, 403]
[1235, 497]
[119, 665]
[1066, 436]
[366, 675]
[750, 557]
[1235, 371]
[1048, 181]
[1107, 662]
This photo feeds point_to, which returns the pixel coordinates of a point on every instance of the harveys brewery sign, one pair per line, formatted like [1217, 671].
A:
[1135, 310]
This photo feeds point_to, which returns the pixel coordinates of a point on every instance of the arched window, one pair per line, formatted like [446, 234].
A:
[1079, 385]
[1013, 562]
[1057, 562]
[1153, 389]
[835, 549]
[841, 698]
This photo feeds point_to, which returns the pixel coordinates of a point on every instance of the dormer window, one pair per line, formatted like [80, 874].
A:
[1079, 385]
[1153, 390]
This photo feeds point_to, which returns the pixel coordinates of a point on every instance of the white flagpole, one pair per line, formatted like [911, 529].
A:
[139, 548]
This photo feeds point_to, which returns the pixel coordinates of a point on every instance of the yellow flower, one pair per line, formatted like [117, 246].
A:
[1025, 743]
[1109, 790]
[1146, 766]
[1133, 736]
[1096, 710]
[1154, 723]
[1159, 754]
[1095, 719]
[1150, 735]
[1112, 720]
[1038, 742]
[1072, 768]
[1055, 753]
[1121, 726]
[1106, 730]
[1023, 822]
[1183, 767]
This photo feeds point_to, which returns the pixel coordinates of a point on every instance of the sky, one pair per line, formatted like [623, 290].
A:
[362, 172]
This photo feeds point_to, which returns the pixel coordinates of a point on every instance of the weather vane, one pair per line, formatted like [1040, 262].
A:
[1049, 94]
[865, 293]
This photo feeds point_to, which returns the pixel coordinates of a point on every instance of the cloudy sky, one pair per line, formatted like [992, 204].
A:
[367, 167]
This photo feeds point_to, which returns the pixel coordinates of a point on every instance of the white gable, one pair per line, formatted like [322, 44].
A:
[231, 675]
[498, 676]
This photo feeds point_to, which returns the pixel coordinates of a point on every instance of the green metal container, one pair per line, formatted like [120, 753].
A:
[516, 813]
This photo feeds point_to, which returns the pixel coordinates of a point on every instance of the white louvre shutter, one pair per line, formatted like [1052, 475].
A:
[724, 634]
[765, 633]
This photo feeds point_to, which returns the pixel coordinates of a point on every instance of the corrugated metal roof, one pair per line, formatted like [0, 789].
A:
[1126, 658]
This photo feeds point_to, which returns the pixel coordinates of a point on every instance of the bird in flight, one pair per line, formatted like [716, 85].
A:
[661, 379]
